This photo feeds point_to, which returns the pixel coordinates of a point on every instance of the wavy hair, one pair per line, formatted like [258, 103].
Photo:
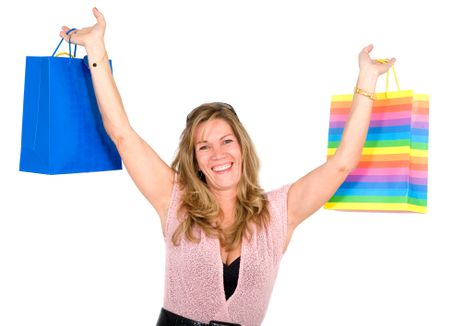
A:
[198, 203]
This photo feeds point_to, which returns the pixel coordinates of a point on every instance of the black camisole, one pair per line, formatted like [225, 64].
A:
[230, 277]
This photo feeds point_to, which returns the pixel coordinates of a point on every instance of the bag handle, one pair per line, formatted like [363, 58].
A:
[70, 48]
[384, 61]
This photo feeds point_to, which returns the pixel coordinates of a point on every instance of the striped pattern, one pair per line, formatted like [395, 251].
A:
[392, 174]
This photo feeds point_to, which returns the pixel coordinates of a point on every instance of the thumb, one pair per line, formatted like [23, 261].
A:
[99, 16]
[368, 48]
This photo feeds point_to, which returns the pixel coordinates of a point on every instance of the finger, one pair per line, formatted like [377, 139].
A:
[98, 15]
[368, 48]
[64, 35]
[391, 62]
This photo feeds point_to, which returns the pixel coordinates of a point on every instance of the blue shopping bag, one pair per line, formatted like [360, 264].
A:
[62, 130]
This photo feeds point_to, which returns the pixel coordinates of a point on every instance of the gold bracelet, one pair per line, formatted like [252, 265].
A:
[364, 93]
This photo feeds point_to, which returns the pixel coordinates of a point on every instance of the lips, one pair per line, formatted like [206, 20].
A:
[222, 168]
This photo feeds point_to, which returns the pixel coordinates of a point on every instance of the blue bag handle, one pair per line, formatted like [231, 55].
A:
[70, 48]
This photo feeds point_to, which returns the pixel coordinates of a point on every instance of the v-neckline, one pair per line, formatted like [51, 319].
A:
[241, 268]
[233, 262]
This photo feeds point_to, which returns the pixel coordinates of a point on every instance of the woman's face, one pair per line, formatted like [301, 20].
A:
[218, 154]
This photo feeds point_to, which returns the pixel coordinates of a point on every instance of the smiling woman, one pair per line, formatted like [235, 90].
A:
[217, 164]
[224, 235]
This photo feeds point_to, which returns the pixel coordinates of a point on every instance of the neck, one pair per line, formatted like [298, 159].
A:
[227, 203]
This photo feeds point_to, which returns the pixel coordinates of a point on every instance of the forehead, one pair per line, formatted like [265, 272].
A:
[212, 130]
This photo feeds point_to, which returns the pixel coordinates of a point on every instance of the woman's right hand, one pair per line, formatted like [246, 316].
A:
[92, 38]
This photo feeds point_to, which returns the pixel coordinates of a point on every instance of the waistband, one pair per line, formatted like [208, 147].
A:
[167, 318]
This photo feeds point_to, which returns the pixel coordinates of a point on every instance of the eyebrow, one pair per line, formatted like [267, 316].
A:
[204, 141]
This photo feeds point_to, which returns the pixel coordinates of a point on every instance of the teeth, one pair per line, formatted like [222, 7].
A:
[221, 167]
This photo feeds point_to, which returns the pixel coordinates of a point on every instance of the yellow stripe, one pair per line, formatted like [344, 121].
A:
[390, 95]
[376, 207]
[380, 96]
[382, 150]
[342, 98]
[421, 97]
[419, 152]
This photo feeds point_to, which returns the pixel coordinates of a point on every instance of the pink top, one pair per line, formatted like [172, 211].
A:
[194, 271]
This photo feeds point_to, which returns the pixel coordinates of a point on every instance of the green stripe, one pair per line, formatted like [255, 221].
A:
[386, 143]
[378, 199]
[368, 199]
[376, 143]
[416, 145]
[418, 202]
[333, 144]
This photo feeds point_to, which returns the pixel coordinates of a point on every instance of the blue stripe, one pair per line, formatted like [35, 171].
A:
[419, 132]
[418, 188]
[374, 185]
[419, 139]
[371, 192]
[381, 192]
[417, 195]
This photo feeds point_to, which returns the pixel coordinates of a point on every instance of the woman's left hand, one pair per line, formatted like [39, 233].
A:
[367, 64]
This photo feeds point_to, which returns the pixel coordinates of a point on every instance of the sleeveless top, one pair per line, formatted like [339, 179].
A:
[194, 286]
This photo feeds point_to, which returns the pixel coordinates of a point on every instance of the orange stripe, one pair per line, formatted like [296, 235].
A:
[420, 167]
[383, 164]
[392, 101]
[422, 104]
[378, 109]
[419, 163]
[421, 110]
[419, 160]
[385, 157]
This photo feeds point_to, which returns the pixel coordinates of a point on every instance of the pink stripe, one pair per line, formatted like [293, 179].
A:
[391, 115]
[338, 117]
[376, 171]
[420, 117]
[419, 174]
[391, 171]
[377, 116]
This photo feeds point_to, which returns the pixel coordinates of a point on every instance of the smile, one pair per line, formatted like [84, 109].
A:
[222, 168]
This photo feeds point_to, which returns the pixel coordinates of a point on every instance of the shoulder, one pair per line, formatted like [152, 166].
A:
[277, 204]
[278, 196]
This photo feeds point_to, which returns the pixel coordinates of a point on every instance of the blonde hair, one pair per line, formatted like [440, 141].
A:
[198, 202]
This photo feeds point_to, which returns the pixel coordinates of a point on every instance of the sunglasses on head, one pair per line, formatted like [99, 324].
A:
[222, 106]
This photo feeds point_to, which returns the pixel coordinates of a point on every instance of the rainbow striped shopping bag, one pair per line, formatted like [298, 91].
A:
[392, 174]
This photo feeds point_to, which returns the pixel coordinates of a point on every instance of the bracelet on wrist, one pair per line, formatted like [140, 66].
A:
[364, 93]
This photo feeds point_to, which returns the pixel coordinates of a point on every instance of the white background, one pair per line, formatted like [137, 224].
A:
[86, 249]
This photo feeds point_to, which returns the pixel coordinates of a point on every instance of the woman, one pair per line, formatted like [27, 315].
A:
[224, 236]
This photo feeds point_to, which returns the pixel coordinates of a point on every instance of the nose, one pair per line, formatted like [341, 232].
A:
[218, 152]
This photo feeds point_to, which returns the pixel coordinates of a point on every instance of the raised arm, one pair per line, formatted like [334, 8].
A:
[153, 177]
[313, 190]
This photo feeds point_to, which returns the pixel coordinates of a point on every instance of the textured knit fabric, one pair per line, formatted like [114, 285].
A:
[194, 271]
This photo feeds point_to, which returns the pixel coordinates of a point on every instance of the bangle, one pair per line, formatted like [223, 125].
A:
[364, 93]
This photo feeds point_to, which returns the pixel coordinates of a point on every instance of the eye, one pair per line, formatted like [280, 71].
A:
[227, 141]
[203, 148]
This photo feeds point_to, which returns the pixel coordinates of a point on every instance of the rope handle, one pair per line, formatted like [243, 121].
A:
[384, 61]
[70, 47]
